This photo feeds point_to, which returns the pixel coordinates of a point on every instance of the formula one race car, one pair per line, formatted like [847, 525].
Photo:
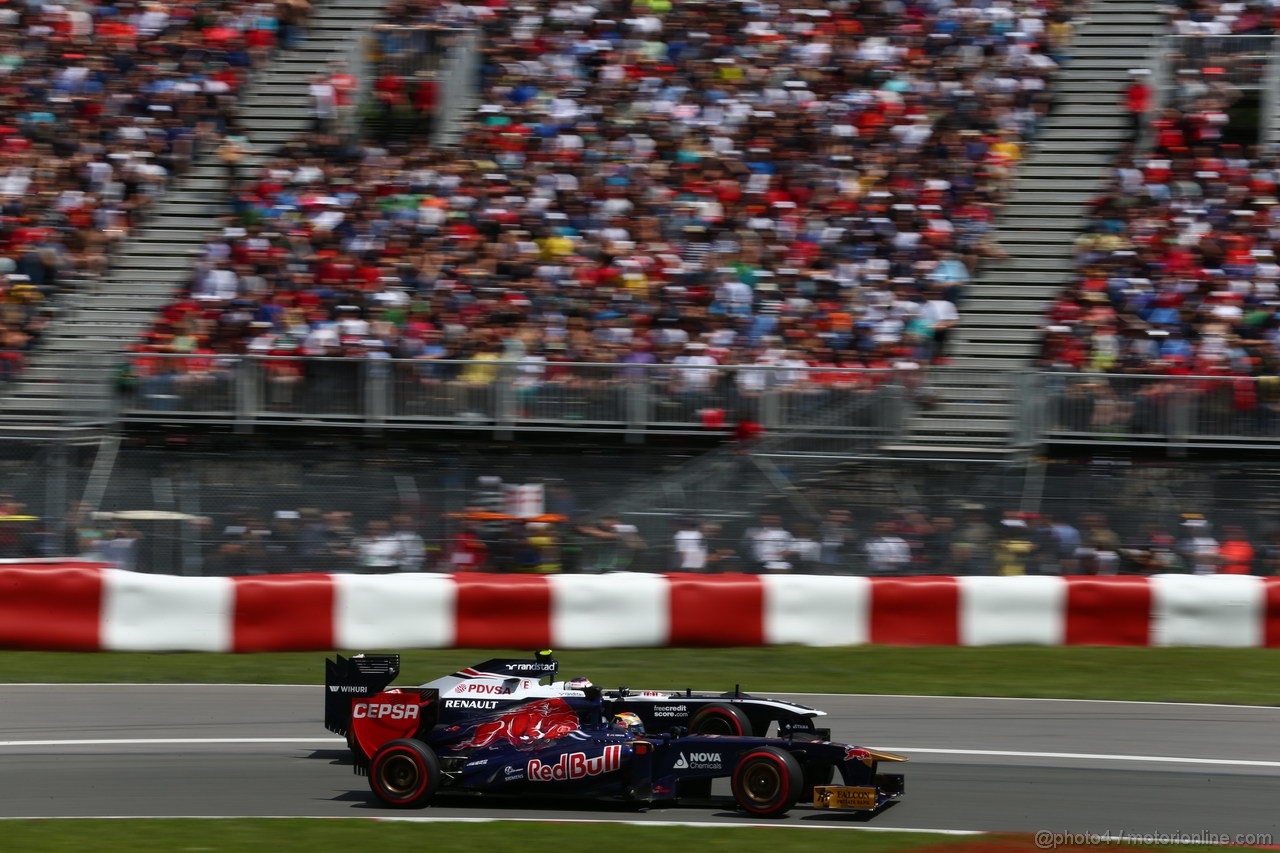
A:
[545, 747]
[503, 683]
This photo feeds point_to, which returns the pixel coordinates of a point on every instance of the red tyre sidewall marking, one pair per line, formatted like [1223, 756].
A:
[783, 776]
[721, 715]
[423, 776]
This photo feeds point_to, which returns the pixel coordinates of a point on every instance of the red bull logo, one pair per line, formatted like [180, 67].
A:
[856, 753]
[545, 720]
[575, 765]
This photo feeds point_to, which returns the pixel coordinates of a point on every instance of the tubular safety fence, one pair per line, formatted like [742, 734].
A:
[511, 396]
[839, 411]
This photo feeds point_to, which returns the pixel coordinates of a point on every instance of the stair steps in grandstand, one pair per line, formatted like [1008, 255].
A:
[1014, 213]
[180, 235]
[1038, 195]
[998, 309]
[131, 275]
[157, 262]
[968, 411]
[1021, 224]
[107, 318]
[1032, 244]
[268, 111]
[1021, 264]
[1016, 288]
[103, 317]
[1071, 169]
[1033, 241]
[1049, 158]
[1009, 321]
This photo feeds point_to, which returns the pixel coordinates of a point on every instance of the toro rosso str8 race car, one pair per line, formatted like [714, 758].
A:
[504, 683]
[550, 747]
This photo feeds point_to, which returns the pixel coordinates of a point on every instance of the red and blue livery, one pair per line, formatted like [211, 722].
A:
[568, 747]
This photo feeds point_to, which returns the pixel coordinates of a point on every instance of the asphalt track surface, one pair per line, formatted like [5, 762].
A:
[976, 764]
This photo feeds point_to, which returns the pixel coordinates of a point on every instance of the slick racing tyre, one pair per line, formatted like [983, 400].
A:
[405, 774]
[767, 782]
[720, 720]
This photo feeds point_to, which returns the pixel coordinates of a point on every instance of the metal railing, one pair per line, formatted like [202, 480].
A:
[511, 396]
[1242, 59]
[1145, 410]
[405, 50]
[845, 412]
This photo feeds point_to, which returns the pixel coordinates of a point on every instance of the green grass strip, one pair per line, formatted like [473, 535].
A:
[247, 835]
[1233, 676]
[257, 835]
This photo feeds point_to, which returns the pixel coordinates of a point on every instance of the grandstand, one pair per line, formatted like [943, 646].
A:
[642, 224]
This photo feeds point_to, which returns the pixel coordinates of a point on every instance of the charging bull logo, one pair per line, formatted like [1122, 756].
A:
[544, 720]
[575, 765]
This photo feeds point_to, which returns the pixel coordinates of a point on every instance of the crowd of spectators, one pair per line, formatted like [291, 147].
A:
[968, 540]
[1177, 272]
[101, 104]
[647, 182]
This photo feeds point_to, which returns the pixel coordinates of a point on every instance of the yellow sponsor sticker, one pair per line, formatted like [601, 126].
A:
[843, 797]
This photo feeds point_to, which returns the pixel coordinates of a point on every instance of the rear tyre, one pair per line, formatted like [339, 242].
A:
[720, 720]
[767, 781]
[405, 774]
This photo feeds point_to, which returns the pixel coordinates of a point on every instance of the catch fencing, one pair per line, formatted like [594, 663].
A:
[265, 509]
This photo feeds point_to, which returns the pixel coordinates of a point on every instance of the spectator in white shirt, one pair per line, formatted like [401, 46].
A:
[690, 547]
[379, 550]
[940, 315]
[886, 552]
[770, 545]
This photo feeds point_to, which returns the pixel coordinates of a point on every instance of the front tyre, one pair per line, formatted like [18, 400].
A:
[405, 774]
[767, 782]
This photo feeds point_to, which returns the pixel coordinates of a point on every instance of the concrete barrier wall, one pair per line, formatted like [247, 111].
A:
[87, 606]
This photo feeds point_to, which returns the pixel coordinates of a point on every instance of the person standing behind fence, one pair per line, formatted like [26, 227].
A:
[1197, 547]
[379, 550]
[837, 537]
[413, 549]
[1137, 102]
[544, 547]
[886, 552]
[1235, 552]
[1013, 550]
[345, 91]
[324, 104]
[689, 547]
[610, 546]
[769, 545]
[425, 97]
[466, 551]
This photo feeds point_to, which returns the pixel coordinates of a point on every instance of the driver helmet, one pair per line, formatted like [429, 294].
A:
[579, 683]
[629, 721]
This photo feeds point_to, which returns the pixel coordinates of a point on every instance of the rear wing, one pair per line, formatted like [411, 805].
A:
[543, 665]
[351, 678]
